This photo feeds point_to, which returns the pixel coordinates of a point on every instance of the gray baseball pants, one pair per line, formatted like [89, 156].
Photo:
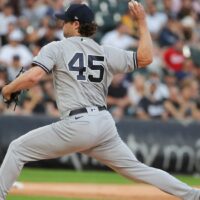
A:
[94, 134]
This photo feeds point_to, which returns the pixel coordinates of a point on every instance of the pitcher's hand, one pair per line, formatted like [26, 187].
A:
[137, 10]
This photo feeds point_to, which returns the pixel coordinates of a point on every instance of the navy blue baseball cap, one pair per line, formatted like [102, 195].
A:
[77, 12]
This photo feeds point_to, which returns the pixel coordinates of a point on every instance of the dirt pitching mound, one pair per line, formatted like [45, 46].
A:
[88, 191]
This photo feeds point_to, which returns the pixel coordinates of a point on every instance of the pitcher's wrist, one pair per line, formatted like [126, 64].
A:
[142, 22]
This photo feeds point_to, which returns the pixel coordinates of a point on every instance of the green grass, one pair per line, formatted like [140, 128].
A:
[63, 176]
[99, 177]
[190, 180]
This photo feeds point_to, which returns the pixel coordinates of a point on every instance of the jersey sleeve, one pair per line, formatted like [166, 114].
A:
[46, 59]
[120, 61]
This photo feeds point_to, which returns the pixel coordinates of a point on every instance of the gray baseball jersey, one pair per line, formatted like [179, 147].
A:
[83, 70]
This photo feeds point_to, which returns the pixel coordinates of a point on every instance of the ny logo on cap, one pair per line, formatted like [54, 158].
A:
[67, 8]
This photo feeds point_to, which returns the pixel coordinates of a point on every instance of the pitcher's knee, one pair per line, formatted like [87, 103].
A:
[15, 151]
[15, 147]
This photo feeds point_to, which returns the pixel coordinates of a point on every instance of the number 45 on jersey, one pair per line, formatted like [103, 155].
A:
[77, 64]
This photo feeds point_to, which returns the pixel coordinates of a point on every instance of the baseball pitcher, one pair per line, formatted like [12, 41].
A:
[82, 71]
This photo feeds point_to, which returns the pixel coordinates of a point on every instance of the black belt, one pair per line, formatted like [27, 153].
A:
[84, 110]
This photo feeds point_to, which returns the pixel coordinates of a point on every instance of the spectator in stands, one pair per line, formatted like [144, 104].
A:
[170, 33]
[188, 24]
[49, 36]
[24, 25]
[11, 28]
[33, 103]
[173, 103]
[15, 47]
[174, 57]
[49, 99]
[35, 48]
[56, 6]
[34, 11]
[156, 20]
[196, 7]
[180, 105]
[49, 30]
[189, 69]
[35, 34]
[14, 68]
[118, 99]
[168, 7]
[195, 89]
[161, 90]
[119, 37]
[186, 9]
[189, 106]
[27, 106]
[170, 78]
[16, 5]
[151, 105]
[136, 92]
[6, 17]
[176, 6]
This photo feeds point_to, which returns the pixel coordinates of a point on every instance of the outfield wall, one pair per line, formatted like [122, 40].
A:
[170, 146]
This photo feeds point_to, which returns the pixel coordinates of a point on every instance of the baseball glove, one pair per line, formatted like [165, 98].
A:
[15, 97]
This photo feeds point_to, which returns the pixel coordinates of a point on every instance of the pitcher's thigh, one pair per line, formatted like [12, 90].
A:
[42, 143]
[116, 155]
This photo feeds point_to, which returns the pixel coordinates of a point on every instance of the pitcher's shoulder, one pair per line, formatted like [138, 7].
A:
[54, 45]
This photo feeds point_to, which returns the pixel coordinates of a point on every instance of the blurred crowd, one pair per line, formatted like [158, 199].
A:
[166, 89]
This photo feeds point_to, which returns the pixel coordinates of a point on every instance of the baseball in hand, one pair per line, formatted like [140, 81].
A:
[134, 2]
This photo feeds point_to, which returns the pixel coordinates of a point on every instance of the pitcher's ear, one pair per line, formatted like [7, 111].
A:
[76, 24]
